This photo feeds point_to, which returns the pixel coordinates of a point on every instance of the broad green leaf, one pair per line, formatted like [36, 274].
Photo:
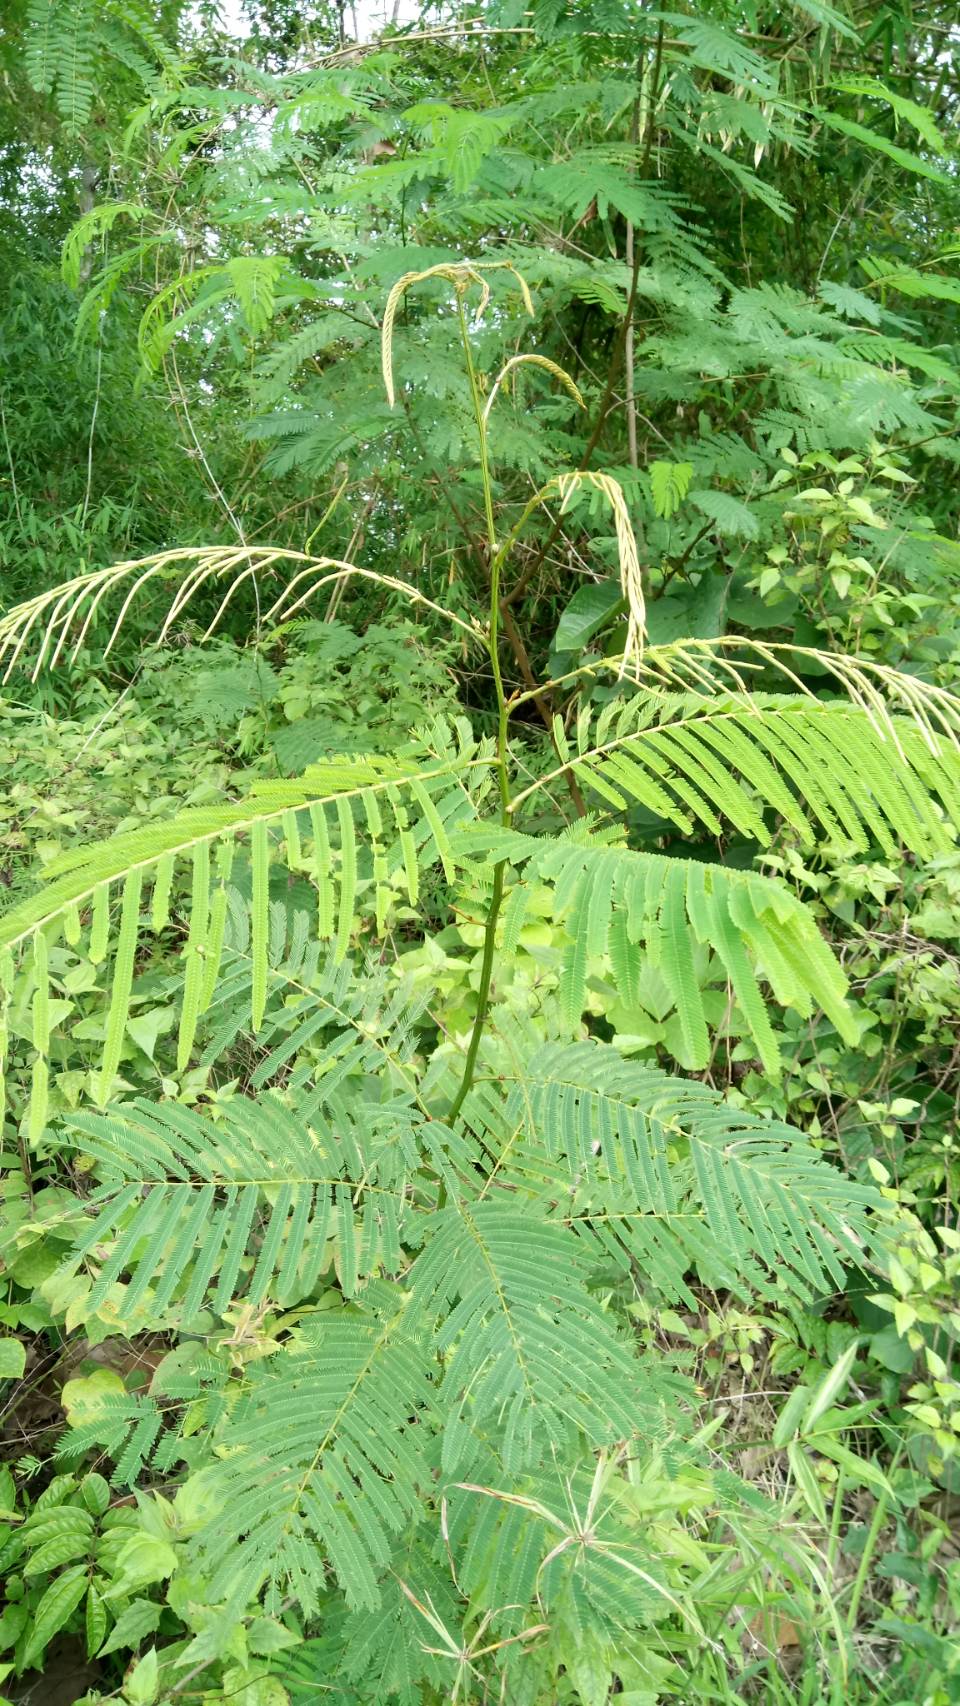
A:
[589, 609]
[806, 1478]
[96, 1621]
[861, 1470]
[13, 1358]
[55, 1609]
[142, 1559]
[142, 1683]
[141, 1617]
[829, 1388]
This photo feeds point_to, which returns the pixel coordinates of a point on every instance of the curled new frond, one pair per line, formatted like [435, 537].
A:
[536, 361]
[65, 613]
[631, 578]
[461, 275]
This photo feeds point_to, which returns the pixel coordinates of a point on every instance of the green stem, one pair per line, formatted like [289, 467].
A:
[483, 992]
[620, 337]
[503, 776]
[836, 1517]
[496, 562]
[866, 1559]
[477, 402]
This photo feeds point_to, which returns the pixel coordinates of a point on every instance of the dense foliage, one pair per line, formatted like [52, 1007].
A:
[479, 998]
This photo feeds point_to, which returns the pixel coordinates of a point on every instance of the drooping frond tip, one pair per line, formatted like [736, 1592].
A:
[535, 361]
[736, 663]
[631, 576]
[67, 611]
[461, 275]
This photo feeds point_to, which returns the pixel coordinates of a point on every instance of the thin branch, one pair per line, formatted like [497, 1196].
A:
[619, 343]
[356, 48]
[13, 472]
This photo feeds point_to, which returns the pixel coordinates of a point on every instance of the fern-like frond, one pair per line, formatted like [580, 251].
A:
[406, 808]
[62, 39]
[525, 1342]
[67, 612]
[348, 786]
[67, 40]
[255, 1202]
[645, 909]
[852, 773]
[92, 225]
[660, 1172]
[333, 1486]
[326, 1022]
[129, 1427]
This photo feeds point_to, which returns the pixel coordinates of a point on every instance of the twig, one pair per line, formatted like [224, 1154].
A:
[93, 423]
[628, 341]
[385, 41]
[619, 343]
[338, 591]
[211, 476]
[13, 474]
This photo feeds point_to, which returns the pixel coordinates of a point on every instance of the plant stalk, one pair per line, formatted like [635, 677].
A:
[620, 339]
[503, 778]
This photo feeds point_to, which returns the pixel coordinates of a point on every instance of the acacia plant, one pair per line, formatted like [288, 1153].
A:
[457, 1446]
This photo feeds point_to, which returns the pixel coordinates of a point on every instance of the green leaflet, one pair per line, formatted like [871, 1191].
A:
[645, 908]
[214, 950]
[163, 876]
[122, 981]
[41, 995]
[100, 923]
[6, 986]
[193, 952]
[322, 867]
[676, 963]
[259, 859]
[713, 923]
[435, 823]
[374, 819]
[408, 853]
[262, 1173]
[55, 1608]
[291, 836]
[40, 1071]
[573, 977]
[348, 876]
[95, 1621]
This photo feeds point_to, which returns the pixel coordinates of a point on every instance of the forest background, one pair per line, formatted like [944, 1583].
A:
[481, 1222]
